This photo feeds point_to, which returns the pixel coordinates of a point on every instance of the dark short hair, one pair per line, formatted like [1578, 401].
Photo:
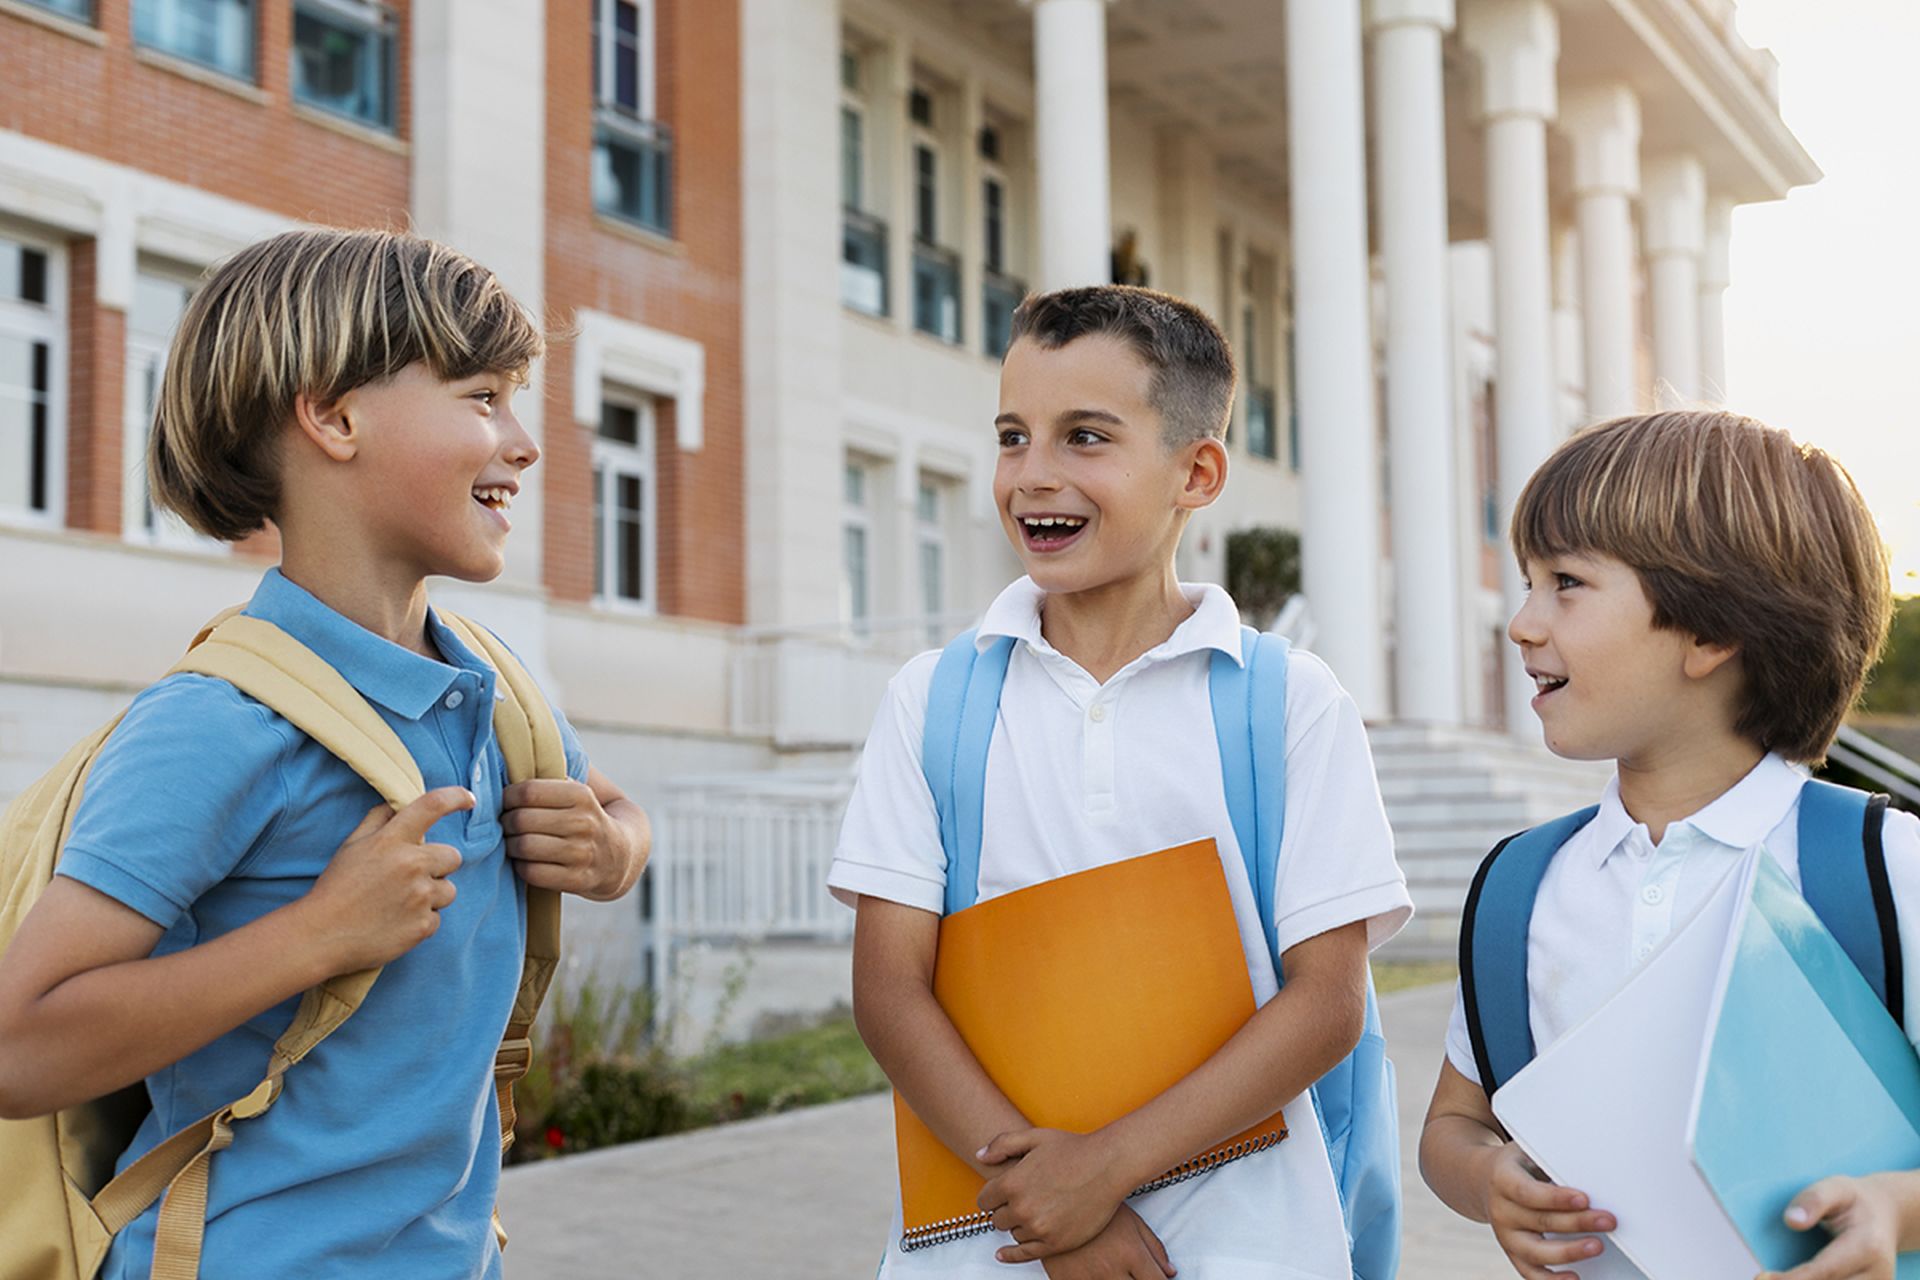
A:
[314, 312]
[1193, 373]
[1740, 536]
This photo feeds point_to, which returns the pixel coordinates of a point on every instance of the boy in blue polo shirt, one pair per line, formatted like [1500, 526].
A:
[355, 388]
[1705, 599]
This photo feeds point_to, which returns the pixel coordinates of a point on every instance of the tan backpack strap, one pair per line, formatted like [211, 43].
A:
[267, 664]
[530, 741]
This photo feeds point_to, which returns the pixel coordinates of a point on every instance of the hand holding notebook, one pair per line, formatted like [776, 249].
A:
[1083, 998]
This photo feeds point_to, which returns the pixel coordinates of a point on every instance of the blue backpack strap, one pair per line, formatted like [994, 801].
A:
[962, 704]
[1843, 877]
[1250, 723]
[1493, 946]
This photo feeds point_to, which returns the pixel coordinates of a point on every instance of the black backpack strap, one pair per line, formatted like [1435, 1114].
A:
[1493, 946]
[1843, 877]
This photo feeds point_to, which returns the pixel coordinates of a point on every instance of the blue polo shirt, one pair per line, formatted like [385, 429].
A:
[206, 811]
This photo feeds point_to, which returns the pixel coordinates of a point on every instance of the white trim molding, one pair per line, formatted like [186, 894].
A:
[611, 351]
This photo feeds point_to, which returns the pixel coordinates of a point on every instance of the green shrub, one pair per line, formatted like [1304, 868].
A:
[614, 1102]
[1263, 570]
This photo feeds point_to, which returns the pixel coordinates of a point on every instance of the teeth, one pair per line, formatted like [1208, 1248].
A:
[1048, 522]
[1544, 683]
[498, 497]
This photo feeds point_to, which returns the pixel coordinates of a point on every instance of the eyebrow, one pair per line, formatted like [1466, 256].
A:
[1071, 415]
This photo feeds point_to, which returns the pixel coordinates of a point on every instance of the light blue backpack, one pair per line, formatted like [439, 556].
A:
[1355, 1101]
[1843, 877]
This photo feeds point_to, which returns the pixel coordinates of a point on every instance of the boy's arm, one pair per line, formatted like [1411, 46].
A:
[84, 1010]
[912, 1038]
[1477, 1172]
[1065, 1186]
[584, 838]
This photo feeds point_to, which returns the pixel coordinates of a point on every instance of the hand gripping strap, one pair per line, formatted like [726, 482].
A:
[1843, 877]
[962, 705]
[1493, 946]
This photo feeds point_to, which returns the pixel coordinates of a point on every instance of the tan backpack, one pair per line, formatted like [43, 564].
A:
[62, 1205]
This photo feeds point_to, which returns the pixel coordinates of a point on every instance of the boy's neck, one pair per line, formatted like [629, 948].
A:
[1683, 778]
[393, 606]
[1106, 628]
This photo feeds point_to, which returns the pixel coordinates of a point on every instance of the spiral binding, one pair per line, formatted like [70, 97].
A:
[973, 1224]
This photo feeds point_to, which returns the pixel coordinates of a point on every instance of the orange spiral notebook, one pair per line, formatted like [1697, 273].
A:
[1083, 998]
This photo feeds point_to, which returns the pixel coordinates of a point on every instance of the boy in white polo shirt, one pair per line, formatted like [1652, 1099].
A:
[1705, 599]
[1113, 407]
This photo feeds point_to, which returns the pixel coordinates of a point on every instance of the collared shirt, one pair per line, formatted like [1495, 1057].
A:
[1081, 774]
[206, 811]
[1611, 896]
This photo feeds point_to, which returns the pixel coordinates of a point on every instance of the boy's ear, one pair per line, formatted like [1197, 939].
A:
[1206, 461]
[1704, 658]
[327, 424]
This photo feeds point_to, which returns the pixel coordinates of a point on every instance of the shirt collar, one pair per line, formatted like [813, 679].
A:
[397, 678]
[1213, 624]
[1739, 818]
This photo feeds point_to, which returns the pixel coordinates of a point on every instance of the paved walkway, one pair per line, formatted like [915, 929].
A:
[808, 1195]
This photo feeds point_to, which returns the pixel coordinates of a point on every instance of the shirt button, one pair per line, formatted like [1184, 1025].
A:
[1098, 713]
[479, 772]
[1642, 951]
[454, 699]
[1653, 895]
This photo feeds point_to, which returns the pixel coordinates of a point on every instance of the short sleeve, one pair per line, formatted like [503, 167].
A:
[1336, 856]
[1459, 1043]
[577, 762]
[890, 841]
[183, 790]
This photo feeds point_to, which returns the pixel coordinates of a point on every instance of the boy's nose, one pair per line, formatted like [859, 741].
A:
[1524, 627]
[521, 451]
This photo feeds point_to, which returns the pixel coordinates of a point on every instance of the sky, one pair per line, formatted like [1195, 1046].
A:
[1823, 317]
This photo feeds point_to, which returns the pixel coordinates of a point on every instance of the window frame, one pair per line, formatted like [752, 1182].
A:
[856, 516]
[930, 535]
[381, 22]
[606, 92]
[136, 425]
[612, 459]
[46, 323]
[250, 74]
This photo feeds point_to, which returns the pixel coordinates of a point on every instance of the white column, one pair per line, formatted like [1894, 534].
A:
[1716, 273]
[1569, 365]
[479, 93]
[1603, 122]
[1410, 115]
[1518, 45]
[1070, 101]
[1339, 491]
[1676, 226]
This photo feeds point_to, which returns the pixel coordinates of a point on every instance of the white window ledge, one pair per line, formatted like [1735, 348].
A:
[609, 349]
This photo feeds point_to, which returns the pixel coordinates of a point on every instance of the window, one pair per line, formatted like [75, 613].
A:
[1261, 432]
[926, 194]
[932, 538]
[158, 303]
[856, 549]
[853, 158]
[81, 9]
[863, 237]
[343, 59]
[214, 33]
[936, 269]
[623, 503]
[632, 151]
[30, 328]
[999, 292]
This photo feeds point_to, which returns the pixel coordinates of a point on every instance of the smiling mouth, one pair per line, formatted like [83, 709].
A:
[1544, 685]
[1049, 533]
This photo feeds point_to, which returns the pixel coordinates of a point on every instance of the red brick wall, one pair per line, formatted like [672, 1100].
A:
[245, 142]
[689, 286]
[96, 361]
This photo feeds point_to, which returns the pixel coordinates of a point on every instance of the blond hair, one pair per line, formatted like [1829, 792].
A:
[313, 312]
[1741, 537]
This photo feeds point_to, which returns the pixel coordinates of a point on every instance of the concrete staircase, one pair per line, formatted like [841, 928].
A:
[1452, 794]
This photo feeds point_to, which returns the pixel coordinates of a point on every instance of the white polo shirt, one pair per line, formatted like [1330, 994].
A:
[1082, 774]
[1610, 896]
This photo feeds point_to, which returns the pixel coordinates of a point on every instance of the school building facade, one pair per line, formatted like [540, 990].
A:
[784, 237]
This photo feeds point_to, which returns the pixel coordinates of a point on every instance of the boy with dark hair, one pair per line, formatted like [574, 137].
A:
[1705, 598]
[1113, 406]
[356, 389]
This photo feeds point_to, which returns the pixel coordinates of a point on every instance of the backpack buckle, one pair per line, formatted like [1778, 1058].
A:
[514, 1059]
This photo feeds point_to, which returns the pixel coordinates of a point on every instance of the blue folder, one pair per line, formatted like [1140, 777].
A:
[1807, 1076]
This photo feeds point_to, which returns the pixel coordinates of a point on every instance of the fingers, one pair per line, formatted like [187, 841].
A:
[1032, 1251]
[1532, 1255]
[413, 822]
[1155, 1250]
[554, 849]
[1006, 1146]
[1819, 1202]
[545, 793]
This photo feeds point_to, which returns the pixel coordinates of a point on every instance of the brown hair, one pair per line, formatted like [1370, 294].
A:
[1193, 374]
[1740, 537]
[313, 312]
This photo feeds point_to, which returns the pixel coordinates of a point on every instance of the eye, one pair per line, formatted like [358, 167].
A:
[486, 396]
[1566, 581]
[1012, 437]
[1084, 436]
